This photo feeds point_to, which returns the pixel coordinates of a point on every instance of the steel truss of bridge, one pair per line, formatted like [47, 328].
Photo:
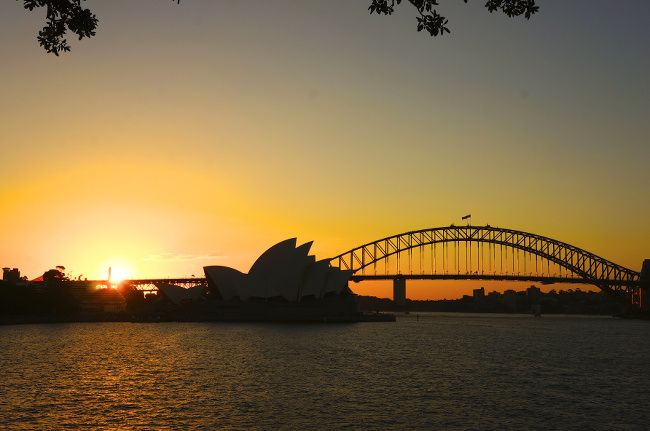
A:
[151, 283]
[583, 266]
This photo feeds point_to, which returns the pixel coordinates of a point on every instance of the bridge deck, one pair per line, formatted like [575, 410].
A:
[487, 277]
[362, 277]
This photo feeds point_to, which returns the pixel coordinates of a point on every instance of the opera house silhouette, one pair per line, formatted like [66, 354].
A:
[283, 272]
[285, 283]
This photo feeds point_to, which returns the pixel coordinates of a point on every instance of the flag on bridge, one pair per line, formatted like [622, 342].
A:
[466, 217]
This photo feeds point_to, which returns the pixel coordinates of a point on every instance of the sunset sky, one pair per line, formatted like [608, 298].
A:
[203, 133]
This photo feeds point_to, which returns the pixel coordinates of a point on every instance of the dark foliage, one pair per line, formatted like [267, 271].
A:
[68, 15]
[436, 25]
[53, 277]
[62, 16]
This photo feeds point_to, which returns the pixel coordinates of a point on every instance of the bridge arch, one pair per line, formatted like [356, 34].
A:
[593, 269]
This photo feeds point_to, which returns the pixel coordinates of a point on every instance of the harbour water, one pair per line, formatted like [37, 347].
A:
[426, 371]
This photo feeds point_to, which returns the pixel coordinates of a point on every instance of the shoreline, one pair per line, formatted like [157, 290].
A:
[362, 317]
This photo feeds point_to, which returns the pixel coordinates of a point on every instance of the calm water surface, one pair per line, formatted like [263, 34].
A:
[433, 372]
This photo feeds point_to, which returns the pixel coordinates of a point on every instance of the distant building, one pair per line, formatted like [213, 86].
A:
[478, 294]
[10, 275]
[534, 294]
[178, 294]
[509, 299]
[94, 299]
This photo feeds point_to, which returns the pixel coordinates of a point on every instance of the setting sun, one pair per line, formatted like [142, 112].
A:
[116, 271]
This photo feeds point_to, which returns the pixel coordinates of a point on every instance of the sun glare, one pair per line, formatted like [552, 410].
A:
[116, 271]
[119, 274]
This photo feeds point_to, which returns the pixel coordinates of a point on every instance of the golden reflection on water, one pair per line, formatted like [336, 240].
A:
[426, 372]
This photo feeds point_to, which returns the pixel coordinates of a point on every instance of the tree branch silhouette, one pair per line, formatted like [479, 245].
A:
[62, 16]
[69, 15]
[436, 25]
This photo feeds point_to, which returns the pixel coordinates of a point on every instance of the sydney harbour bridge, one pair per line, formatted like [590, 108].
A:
[481, 253]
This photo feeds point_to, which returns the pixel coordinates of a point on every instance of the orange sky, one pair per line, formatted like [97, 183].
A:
[203, 134]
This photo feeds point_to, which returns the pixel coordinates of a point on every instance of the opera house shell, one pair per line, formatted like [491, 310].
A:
[284, 271]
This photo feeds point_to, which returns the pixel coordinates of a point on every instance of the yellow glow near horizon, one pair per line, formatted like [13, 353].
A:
[275, 132]
[120, 270]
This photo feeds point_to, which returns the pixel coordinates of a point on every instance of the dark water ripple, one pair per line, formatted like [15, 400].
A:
[436, 372]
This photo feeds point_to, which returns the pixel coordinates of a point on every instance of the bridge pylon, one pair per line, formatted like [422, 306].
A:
[645, 286]
[399, 291]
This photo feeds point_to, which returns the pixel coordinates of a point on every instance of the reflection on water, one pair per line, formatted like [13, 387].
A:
[428, 371]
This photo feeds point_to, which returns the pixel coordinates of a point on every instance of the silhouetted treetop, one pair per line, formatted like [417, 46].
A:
[61, 16]
[68, 15]
[436, 25]
[54, 276]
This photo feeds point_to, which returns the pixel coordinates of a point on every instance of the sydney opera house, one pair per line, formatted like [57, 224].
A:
[285, 283]
[284, 272]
